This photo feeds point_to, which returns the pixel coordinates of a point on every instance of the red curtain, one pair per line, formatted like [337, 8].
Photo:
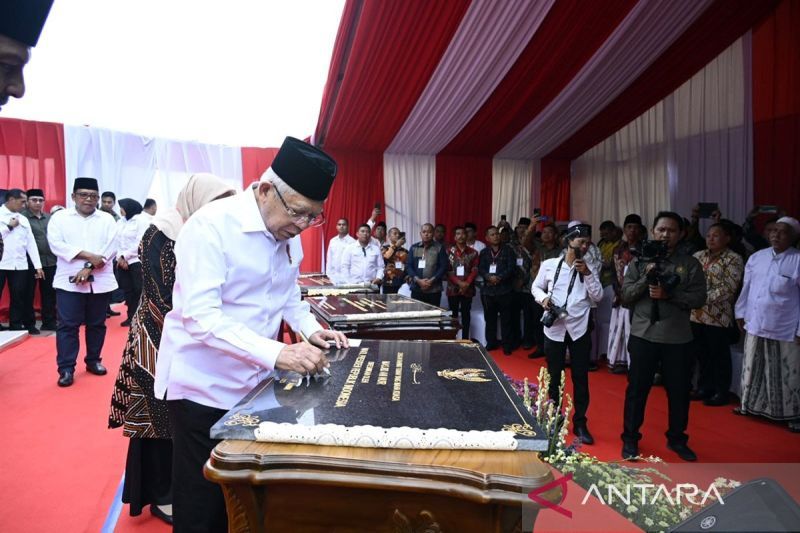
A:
[463, 192]
[719, 26]
[776, 108]
[32, 157]
[555, 188]
[542, 70]
[254, 162]
[356, 190]
[383, 58]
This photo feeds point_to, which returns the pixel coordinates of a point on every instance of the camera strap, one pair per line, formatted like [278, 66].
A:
[571, 281]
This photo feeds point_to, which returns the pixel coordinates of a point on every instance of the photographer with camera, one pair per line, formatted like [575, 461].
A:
[661, 287]
[566, 287]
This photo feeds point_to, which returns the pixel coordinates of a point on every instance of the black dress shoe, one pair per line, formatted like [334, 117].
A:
[683, 451]
[96, 368]
[700, 395]
[582, 432]
[17, 327]
[49, 326]
[492, 346]
[33, 330]
[527, 346]
[507, 351]
[536, 354]
[630, 451]
[112, 313]
[619, 369]
[156, 511]
[126, 323]
[65, 378]
[592, 367]
[717, 400]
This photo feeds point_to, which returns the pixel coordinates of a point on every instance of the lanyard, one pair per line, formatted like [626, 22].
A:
[494, 255]
[571, 281]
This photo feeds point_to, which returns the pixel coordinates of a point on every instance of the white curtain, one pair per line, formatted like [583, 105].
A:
[123, 163]
[177, 160]
[693, 146]
[511, 189]
[409, 186]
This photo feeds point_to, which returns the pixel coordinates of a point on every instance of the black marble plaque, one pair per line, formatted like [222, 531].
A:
[373, 307]
[319, 281]
[425, 385]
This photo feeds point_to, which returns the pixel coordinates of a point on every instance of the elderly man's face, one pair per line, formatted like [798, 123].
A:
[85, 201]
[13, 57]
[276, 218]
[781, 237]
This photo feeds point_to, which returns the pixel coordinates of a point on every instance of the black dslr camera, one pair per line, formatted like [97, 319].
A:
[655, 252]
[555, 312]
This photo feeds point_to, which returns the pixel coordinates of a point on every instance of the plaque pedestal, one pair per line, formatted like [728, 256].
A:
[295, 487]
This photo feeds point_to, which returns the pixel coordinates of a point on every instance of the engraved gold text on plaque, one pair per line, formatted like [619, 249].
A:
[383, 373]
[368, 372]
[464, 374]
[398, 377]
[350, 382]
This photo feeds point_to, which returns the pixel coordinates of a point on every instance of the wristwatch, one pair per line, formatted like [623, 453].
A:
[88, 265]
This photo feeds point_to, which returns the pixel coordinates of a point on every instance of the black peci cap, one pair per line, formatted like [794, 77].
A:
[305, 168]
[23, 20]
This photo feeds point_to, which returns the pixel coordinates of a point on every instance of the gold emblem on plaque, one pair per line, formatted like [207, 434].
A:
[520, 429]
[464, 374]
[243, 420]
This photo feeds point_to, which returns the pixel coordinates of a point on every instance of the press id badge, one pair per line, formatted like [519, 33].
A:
[421, 263]
[399, 265]
[460, 270]
[519, 261]
[492, 269]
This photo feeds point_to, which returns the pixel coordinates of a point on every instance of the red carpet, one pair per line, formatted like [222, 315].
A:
[60, 466]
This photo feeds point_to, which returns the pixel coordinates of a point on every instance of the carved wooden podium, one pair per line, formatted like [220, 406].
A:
[305, 488]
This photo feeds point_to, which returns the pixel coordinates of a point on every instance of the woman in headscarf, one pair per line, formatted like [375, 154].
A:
[132, 226]
[148, 470]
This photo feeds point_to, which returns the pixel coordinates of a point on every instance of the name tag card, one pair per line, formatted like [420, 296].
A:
[421, 263]
[460, 270]
[519, 261]
[399, 265]
[492, 269]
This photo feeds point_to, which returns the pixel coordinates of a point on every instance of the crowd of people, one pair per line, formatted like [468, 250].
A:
[662, 304]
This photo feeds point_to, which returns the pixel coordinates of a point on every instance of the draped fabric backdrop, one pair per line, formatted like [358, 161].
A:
[463, 192]
[32, 157]
[511, 189]
[409, 185]
[693, 146]
[776, 108]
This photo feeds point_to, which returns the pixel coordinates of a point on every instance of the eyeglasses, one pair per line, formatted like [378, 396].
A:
[87, 195]
[36, 200]
[299, 219]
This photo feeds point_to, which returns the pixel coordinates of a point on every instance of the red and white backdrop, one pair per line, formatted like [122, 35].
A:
[465, 110]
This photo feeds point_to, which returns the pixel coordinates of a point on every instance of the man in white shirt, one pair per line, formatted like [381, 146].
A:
[237, 262]
[566, 287]
[18, 241]
[768, 309]
[333, 260]
[82, 238]
[472, 242]
[150, 207]
[362, 261]
[130, 230]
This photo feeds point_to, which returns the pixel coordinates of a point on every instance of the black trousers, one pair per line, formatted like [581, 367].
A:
[676, 367]
[714, 355]
[47, 294]
[148, 474]
[74, 309]
[522, 332]
[461, 306]
[579, 351]
[493, 306]
[130, 281]
[433, 298]
[197, 504]
[18, 314]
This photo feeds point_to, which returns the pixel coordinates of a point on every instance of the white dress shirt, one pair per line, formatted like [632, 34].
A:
[17, 242]
[234, 282]
[477, 245]
[361, 263]
[69, 233]
[333, 260]
[770, 299]
[130, 235]
[584, 292]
